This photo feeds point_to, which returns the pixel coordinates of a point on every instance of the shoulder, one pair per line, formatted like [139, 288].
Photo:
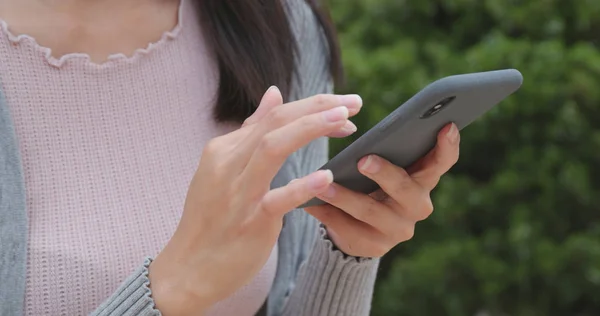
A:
[312, 54]
[304, 22]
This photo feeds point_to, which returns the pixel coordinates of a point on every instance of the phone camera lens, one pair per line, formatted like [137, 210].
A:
[438, 107]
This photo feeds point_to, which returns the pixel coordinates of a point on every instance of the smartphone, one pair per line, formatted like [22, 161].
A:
[410, 131]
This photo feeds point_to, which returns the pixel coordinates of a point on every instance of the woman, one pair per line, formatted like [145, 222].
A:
[100, 138]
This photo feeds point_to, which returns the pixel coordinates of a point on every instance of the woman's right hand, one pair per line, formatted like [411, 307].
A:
[232, 218]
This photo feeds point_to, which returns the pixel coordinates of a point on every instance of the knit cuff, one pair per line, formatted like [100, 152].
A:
[332, 283]
[133, 297]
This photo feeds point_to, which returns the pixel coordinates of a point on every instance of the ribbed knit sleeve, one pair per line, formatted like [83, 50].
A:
[134, 297]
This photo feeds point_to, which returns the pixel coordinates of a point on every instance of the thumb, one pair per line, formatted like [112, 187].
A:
[270, 99]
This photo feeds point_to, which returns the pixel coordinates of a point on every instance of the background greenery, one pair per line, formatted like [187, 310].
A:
[516, 229]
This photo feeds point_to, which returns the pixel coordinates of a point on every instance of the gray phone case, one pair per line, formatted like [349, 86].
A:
[405, 135]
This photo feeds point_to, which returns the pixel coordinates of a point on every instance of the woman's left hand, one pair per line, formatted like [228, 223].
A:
[371, 225]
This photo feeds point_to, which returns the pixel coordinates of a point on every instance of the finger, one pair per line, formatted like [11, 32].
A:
[362, 207]
[350, 235]
[379, 195]
[279, 201]
[408, 197]
[348, 129]
[276, 146]
[290, 112]
[428, 170]
[270, 99]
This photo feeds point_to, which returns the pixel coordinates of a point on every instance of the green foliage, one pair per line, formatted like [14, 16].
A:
[517, 224]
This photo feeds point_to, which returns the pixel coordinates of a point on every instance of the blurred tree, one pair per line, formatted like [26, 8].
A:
[516, 229]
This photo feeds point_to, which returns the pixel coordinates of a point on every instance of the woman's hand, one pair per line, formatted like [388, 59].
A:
[231, 218]
[370, 225]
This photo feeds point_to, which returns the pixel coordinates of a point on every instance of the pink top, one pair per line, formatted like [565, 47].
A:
[108, 152]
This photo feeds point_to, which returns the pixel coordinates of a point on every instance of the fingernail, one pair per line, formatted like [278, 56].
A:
[352, 101]
[317, 183]
[271, 88]
[371, 165]
[349, 128]
[336, 114]
[452, 133]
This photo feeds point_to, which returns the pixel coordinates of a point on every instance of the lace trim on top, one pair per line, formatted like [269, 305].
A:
[46, 52]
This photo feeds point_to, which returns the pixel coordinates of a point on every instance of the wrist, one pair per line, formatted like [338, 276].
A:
[173, 289]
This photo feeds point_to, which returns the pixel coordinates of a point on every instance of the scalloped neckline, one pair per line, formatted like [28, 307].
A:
[58, 62]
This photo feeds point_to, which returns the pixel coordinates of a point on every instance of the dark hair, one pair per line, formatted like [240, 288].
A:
[254, 46]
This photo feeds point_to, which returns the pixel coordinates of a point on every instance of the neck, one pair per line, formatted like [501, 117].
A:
[97, 28]
[83, 5]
